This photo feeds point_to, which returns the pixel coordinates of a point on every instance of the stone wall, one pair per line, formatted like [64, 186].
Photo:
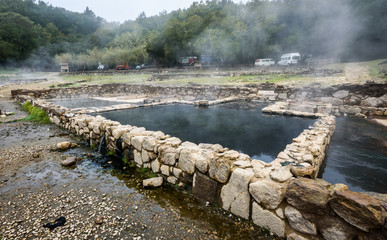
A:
[283, 195]
[369, 100]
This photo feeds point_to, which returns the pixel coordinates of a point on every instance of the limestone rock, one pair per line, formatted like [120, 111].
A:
[281, 174]
[269, 220]
[164, 170]
[145, 156]
[219, 169]
[203, 160]
[137, 141]
[63, 145]
[341, 94]
[177, 172]
[172, 180]
[155, 165]
[242, 164]
[153, 182]
[149, 143]
[308, 195]
[173, 141]
[69, 161]
[268, 193]
[299, 222]
[137, 157]
[231, 154]
[187, 160]
[359, 210]
[235, 195]
[168, 155]
[117, 132]
[205, 188]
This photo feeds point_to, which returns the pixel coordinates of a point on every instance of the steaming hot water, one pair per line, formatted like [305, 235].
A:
[357, 155]
[238, 126]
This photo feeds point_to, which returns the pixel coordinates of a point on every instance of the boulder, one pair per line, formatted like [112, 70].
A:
[341, 94]
[242, 164]
[235, 195]
[137, 157]
[359, 210]
[267, 193]
[299, 222]
[203, 160]
[205, 188]
[69, 161]
[155, 165]
[172, 180]
[153, 182]
[281, 174]
[188, 159]
[302, 171]
[145, 156]
[308, 195]
[168, 155]
[177, 172]
[269, 220]
[149, 143]
[164, 170]
[302, 107]
[334, 228]
[137, 141]
[219, 169]
[295, 236]
[63, 145]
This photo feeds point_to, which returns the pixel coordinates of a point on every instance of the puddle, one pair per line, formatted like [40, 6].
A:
[239, 126]
[357, 156]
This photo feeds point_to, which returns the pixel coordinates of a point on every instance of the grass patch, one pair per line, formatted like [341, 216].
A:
[377, 68]
[146, 173]
[111, 153]
[93, 146]
[36, 114]
[77, 81]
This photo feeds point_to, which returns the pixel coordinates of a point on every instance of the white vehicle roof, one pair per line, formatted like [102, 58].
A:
[290, 54]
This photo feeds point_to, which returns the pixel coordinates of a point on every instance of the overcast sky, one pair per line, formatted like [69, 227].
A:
[122, 10]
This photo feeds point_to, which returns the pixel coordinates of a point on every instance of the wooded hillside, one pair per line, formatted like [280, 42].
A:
[35, 34]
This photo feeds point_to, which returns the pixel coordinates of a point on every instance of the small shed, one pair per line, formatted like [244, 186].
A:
[64, 67]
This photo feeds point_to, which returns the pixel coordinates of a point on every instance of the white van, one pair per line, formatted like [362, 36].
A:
[290, 59]
[264, 62]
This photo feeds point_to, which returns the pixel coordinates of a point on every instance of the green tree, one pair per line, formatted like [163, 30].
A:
[18, 36]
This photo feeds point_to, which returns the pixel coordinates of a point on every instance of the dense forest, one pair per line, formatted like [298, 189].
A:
[35, 34]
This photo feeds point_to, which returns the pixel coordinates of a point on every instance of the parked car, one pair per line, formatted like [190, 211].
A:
[264, 62]
[141, 66]
[290, 59]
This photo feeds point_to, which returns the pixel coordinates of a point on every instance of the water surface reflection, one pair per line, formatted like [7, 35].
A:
[238, 126]
[357, 155]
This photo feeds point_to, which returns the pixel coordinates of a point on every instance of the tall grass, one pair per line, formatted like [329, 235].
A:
[36, 114]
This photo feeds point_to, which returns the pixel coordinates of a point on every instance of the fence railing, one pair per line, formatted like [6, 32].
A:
[321, 62]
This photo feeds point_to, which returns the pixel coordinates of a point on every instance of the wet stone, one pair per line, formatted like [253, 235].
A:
[69, 161]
